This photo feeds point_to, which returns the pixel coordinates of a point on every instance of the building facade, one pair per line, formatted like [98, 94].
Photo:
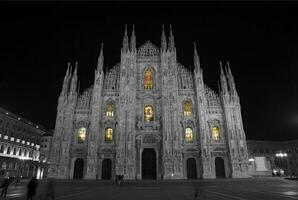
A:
[19, 146]
[45, 146]
[148, 117]
[267, 158]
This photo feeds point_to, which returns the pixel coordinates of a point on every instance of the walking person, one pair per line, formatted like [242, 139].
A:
[4, 187]
[122, 179]
[32, 185]
[116, 179]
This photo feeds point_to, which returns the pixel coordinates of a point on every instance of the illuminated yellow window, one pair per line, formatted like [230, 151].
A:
[215, 133]
[110, 109]
[148, 79]
[188, 135]
[148, 113]
[109, 135]
[81, 135]
[187, 108]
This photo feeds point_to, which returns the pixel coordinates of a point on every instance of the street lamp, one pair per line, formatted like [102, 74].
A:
[281, 156]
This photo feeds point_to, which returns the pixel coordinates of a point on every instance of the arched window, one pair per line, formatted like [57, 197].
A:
[188, 135]
[187, 108]
[81, 135]
[215, 133]
[8, 150]
[148, 113]
[148, 79]
[109, 135]
[110, 109]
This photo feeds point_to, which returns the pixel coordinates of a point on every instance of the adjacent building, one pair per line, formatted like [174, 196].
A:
[19, 146]
[149, 117]
[267, 158]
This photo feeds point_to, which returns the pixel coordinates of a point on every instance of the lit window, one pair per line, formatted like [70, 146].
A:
[187, 108]
[148, 79]
[188, 135]
[215, 133]
[148, 113]
[110, 109]
[81, 135]
[109, 135]
[5, 137]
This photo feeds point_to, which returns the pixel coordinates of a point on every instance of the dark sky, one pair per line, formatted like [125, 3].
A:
[259, 39]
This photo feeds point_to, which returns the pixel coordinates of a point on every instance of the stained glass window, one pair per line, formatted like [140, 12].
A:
[148, 113]
[188, 135]
[109, 135]
[81, 135]
[148, 79]
[110, 109]
[187, 108]
[215, 133]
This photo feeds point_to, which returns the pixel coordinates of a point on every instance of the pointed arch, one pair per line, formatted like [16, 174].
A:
[81, 135]
[109, 134]
[215, 130]
[187, 108]
[148, 113]
[148, 78]
[110, 109]
[188, 134]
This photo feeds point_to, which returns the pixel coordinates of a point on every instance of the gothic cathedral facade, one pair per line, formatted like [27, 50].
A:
[149, 117]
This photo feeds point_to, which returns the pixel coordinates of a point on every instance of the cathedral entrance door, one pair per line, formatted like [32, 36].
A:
[191, 168]
[148, 164]
[220, 167]
[106, 172]
[78, 169]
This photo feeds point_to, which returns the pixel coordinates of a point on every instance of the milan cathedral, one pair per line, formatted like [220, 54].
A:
[149, 117]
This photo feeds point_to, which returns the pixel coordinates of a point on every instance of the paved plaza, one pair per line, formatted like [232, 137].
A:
[232, 189]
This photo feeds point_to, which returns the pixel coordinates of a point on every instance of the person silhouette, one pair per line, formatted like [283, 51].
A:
[32, 185]
[5, 185]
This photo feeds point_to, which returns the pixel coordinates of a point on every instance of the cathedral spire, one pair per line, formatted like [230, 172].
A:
[171, 40]
[163, 39]
[231, 81]
[133, 39]
[74, 80]
[223, 81]
[100, 59]
[196, 59]
[125, 40]
[66, 80]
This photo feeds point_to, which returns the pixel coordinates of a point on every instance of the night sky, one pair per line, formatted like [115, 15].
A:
[259, 39]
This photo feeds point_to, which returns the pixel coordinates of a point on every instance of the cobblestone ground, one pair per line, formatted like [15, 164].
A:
[231, 189]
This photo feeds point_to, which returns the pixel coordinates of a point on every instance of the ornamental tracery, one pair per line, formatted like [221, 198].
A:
[148, 49]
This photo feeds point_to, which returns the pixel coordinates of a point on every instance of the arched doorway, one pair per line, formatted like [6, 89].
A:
[78, 169]
[106, 171]
[191, 168]
[220, 167]
[148, 164]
